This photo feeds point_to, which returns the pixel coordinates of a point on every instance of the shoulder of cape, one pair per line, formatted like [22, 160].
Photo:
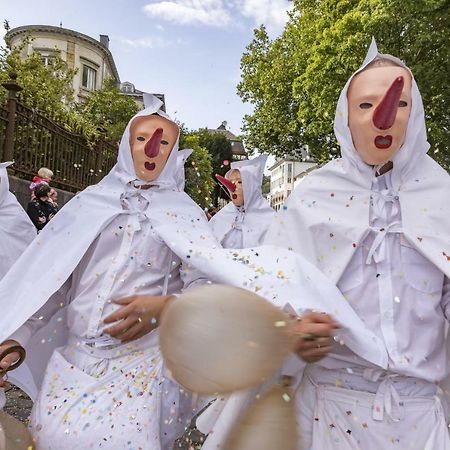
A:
[228, 210]
[319, 179]
[427, 172]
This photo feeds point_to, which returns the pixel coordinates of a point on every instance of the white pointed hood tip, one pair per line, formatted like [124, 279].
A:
[415, 145]
[124, 168]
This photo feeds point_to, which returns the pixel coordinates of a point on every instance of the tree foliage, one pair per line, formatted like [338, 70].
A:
[109, 109]
[219, 147]
[48, 88]
[294, 81]
[198, 169]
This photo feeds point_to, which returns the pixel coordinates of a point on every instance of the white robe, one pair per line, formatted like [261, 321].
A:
[97, 392]
[385, 242]
[354, 403]
[16, 228]
[245, 226]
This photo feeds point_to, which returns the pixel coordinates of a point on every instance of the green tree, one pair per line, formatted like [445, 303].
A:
[198, 169]
[48, 88]
[45, 87]
[219, 147]
[109, 109]
[294, 81]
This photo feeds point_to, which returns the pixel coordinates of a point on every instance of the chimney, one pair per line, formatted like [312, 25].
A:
[104, 40]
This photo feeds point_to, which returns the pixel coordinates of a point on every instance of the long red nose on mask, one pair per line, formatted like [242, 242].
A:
[151, 148]
[227, 183]
[385, 112]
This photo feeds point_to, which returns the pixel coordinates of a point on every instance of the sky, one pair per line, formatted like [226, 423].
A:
[189, 50]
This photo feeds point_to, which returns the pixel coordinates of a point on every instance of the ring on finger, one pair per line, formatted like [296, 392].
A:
[308, 337]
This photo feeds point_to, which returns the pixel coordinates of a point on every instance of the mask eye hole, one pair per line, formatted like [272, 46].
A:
[163, 142]
[140, 138]
[365, 105]
[402, 104]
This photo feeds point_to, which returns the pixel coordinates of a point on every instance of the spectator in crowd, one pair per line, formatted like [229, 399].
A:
[41, 210]
[53, 198]
[44, 176]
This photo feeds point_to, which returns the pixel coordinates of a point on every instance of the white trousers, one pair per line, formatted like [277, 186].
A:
[339, 418]
[122, 402]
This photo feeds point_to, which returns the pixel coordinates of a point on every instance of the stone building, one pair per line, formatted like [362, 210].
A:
[285, 174]
[237, 146]
[92, 58]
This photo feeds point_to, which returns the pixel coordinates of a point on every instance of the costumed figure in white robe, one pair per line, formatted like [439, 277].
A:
[16, 229]
[377, 223]
[244, 221]
[105, 385]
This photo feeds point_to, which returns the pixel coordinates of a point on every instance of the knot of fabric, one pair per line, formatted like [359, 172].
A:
[386, 398]
[377, 250]
[134, 203]
[238, 220]
[380, 200]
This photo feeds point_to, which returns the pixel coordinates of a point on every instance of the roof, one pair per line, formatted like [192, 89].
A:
[65, 32]
[280, 161]
[237, 146]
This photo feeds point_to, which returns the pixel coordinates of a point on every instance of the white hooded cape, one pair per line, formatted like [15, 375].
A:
[52, 257]
[324, 220]
[258, 215]
[327, 215]
[16, 228]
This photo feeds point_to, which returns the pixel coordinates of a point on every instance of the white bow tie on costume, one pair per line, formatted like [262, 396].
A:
[239, 219]
[386, 396]
[379, 203]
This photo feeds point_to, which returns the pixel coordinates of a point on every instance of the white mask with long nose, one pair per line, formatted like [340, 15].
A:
[379, 106]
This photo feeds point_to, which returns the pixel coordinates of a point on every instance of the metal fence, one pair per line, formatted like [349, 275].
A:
[32, 140]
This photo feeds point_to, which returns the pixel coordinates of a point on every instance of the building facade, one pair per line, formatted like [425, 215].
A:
[91, 58]
[129, 89]
[283, 175]
[237, 146]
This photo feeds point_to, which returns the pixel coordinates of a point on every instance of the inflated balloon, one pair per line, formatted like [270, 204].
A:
[270, 423]
[218, 339]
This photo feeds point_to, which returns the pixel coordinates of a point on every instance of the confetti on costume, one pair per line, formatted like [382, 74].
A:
[98, 392]
[383, 249]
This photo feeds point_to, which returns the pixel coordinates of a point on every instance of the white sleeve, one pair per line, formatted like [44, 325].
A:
[58, 300]
[191, 277]
[445, 301]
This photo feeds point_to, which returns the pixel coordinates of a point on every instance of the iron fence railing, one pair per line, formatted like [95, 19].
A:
[32, 140]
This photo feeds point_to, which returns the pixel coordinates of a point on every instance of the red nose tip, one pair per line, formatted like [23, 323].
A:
[385, 112]
[227, 183]
[151, 148]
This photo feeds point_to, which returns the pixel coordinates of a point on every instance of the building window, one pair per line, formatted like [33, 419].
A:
[289, 180]
[89, 78]
[48, 60]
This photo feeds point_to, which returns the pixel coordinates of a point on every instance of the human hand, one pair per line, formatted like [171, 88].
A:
[8, 360]
[138, 316]
[315, 336]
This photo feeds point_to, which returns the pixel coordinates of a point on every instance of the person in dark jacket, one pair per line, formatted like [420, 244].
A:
[41, 210]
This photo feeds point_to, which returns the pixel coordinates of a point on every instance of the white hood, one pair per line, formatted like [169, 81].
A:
[415, 145]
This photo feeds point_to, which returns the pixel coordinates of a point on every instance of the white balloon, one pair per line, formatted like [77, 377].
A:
[270, 423]
[218, 339]
[14, 435]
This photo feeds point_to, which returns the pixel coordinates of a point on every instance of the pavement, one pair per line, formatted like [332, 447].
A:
[18, 404]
